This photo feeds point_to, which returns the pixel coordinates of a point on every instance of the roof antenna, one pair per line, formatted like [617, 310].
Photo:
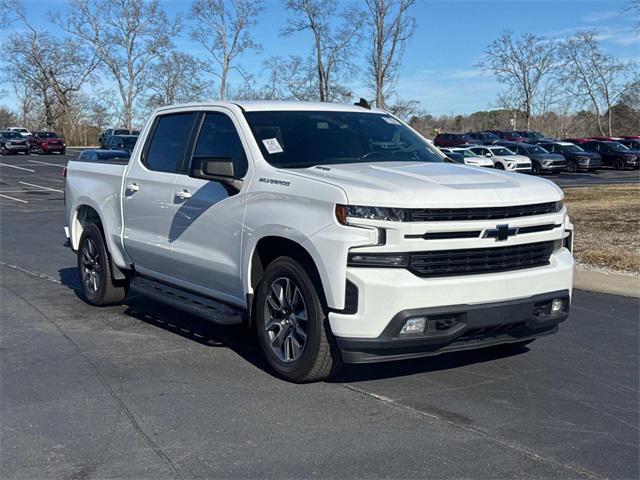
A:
[363, 103]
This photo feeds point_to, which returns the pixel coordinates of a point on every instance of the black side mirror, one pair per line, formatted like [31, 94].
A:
[219, 169]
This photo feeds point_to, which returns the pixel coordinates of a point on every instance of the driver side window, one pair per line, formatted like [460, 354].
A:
[219, 138]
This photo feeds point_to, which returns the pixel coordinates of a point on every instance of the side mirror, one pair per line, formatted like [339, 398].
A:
[219, 169]
[488, 155]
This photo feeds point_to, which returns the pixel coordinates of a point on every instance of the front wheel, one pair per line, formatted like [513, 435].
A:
[292, 324]
[619, 165]
[535, 168]
[499, 166]
[94, 267]
[572, 166]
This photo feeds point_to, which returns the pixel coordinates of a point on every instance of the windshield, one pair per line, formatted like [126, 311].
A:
[121, 132]
[535, 135]
[535, 149]
[301, 139]
[573, 149]
[468, 153]
[501, 151]
[490, 136]
[12, 135]
[618, 147]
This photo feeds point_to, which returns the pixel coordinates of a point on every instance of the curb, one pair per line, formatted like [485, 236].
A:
[611, 283]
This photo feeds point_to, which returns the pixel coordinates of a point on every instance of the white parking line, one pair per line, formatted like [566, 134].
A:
[12, 198]
[47, 163]
[19, 168]
[40, 186]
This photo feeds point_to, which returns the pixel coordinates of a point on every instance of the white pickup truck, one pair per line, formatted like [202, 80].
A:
[335, 231]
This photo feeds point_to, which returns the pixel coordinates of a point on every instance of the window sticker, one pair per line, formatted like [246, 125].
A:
[272, 145]
[322, 126]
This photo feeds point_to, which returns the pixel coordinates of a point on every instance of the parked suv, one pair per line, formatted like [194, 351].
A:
[508, 135]
[22, 131]
[337, 233]
[503, 158]
[13, 142]
[613, 154]
[630, 143]
[576, 157]
[121, 142]
[450, 140]
[541, 159]
[102, 139]
[482, 138]
[534, 137]
[47, 142]
[468, 157]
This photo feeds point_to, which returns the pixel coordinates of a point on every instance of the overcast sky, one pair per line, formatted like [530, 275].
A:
[438, 66]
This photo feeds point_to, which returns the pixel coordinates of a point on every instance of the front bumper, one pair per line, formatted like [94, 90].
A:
[460, 327]
[553, 168]
[382, 294]
[16, 148]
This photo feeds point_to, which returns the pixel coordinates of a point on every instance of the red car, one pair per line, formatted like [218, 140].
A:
[451, 140]
[607, 139]
[630, 137]
[577, 140]
[47, 142]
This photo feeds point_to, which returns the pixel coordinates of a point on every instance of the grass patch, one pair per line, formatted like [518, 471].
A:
[606, 219]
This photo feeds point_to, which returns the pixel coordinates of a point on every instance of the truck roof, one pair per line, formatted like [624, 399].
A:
[259, 106]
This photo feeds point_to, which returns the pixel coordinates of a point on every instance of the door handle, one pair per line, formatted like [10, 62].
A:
[183, 194]
[133, 187]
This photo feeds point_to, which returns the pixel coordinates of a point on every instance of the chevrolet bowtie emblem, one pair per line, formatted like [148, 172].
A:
[501, 232]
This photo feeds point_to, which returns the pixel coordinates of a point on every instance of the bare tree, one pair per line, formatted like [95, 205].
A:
[592, 75]
[176, 78]
[633, 6]
[127, 36]
[333, 46]
[52, 64]
[392, 26]
[521, 64]
[223, 27]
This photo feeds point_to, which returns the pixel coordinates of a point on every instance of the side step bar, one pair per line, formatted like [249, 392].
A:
[194, 303]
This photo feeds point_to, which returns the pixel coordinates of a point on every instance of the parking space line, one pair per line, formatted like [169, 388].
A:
[19, 168]
[12, 198]
[47, 163]
[40, 186]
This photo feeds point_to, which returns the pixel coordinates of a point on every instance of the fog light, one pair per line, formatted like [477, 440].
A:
[557, 305]
[414, 325]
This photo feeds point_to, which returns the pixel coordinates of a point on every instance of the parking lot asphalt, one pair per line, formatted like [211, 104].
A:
[145, 391]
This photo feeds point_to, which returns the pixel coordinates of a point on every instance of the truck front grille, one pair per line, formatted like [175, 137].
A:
[441, 263]
[484, 213]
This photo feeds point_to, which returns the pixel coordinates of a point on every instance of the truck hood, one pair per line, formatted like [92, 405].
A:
[432, 185]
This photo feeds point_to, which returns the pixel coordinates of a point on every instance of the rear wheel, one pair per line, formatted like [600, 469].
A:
[292, 324]
[572, 166]
[94, 267]
[619, 165]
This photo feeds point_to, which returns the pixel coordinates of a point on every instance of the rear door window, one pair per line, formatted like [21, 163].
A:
[167, 145]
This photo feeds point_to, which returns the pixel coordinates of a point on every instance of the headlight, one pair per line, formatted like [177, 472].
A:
[377, 260]
[546, 163]
[370, 213]
[559, 206]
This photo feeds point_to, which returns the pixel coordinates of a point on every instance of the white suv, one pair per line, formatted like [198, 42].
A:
[503, 158]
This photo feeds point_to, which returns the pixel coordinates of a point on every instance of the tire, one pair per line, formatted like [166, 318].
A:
[499, 166]
[298, 350]
[619, 164]
[535, 168]
[63, 151]
[572, 166]
[99, 288]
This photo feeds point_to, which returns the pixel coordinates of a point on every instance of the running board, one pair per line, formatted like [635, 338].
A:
[194, 303]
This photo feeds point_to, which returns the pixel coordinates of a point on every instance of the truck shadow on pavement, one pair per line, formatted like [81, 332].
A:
[243, 341]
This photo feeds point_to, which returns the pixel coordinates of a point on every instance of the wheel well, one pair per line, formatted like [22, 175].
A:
[270, 248]
[84, 216]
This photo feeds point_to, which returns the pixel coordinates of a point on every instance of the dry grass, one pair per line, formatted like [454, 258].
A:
[607, 225]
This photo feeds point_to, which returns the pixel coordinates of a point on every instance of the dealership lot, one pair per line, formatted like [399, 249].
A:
[142, 390]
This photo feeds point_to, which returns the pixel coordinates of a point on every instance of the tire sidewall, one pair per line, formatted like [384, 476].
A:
[93, 232]
[287, 267]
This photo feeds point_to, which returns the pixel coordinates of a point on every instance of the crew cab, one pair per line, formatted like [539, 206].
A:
[336, 232]
[47, 142]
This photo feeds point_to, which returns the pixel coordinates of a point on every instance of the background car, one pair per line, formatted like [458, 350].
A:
[482, 138]
[503, 158]
[13, 142]
[450, 140]
[577, 141]
[541, 160]
[121, 142]
[576, 157]
[509, 135]
[109, 132]
[47, 142]
[468, 157]
[613, 154]
[22, 131]
[534, 137]
[114, 156]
